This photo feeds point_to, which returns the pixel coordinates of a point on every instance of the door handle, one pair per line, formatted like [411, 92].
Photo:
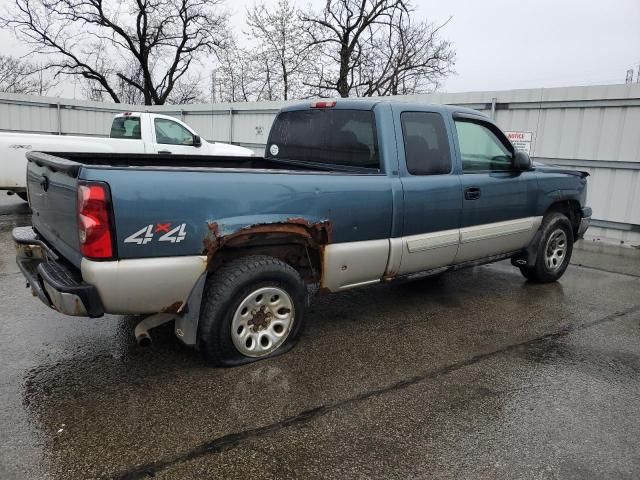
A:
[164, 151]
[472, 193]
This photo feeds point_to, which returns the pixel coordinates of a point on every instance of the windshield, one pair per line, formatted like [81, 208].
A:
[338, 137]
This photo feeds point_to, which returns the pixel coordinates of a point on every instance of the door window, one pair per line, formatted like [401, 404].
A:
[172, 133]
[481, 149]
[426, 146]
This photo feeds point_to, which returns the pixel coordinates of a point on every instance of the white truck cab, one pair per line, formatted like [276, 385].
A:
[131, 132]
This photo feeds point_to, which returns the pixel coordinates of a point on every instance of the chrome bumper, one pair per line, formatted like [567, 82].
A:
[56, 284]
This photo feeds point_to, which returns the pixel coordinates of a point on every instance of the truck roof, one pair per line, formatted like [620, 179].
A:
[138, 114]
[370, 103]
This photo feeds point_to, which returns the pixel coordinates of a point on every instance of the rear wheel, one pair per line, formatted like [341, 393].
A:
[23, 196]
[553, 251]
[253, 308]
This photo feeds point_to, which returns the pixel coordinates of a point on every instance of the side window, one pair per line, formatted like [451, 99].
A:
[172, 133]
[481, 149]
[426, 145]
[126, 127]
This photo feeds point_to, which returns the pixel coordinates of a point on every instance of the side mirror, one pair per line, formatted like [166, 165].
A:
[197, 141]
[521, 161]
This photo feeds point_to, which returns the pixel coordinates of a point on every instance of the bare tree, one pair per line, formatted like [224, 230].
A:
[188, 90]
[236, 75]
[406, 58]
[19, 76]
[283, 51]
[341, 28]
[143, 47]
[370, 47]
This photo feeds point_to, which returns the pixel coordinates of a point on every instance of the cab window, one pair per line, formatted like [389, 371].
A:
[426, 146]
[126, 127]
[327, 136]
[481, 149]
[172, 133]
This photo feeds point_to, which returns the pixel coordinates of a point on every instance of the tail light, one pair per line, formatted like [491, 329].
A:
[94, 221]
[324, 104]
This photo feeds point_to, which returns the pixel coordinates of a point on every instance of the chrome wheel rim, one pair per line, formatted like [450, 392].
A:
[555, 250]
[262, 322]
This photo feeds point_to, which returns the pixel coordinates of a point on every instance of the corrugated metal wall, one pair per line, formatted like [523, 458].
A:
[594, 128]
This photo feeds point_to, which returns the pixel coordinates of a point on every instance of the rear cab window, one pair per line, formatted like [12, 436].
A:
[126, 128]
[326, 136]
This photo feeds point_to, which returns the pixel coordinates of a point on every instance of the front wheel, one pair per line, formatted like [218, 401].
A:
[554, 250]
[253, 308]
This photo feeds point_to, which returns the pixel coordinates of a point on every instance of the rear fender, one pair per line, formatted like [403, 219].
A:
[240, 232]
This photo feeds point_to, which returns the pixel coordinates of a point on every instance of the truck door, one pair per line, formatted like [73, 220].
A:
[432, 192]
[170, 136]
[498, 214]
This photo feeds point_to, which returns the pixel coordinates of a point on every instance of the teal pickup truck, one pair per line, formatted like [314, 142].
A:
[349, 193]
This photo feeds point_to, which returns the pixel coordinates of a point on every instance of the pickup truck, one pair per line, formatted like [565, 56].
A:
[349, 193]
[131, 132]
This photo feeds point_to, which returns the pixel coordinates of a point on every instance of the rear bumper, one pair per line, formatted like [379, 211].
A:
[57, 284]
[585, 221]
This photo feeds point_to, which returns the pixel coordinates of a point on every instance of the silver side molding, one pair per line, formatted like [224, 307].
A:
[499, 229]
[427, 251]
[482, 241]
[420, 243]
[353, 264]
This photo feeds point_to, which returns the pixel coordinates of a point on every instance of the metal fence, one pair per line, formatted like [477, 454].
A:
[595, 128]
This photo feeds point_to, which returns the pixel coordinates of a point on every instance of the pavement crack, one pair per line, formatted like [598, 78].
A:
[615, 272]
[232, 440]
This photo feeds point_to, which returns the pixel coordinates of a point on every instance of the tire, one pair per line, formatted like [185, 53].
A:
[554, 250]
[23, 196]
[241, 320]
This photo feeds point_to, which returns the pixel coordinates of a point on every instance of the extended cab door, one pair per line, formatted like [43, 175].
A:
[499, 202]
[171, 136]
[432, 191]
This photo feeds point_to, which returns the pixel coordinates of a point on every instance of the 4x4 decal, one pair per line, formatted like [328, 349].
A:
[148, 233]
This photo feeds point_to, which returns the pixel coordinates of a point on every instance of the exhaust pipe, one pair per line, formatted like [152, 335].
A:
[142, 329]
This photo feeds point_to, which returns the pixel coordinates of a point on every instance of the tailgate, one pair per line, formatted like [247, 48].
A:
[52, 183]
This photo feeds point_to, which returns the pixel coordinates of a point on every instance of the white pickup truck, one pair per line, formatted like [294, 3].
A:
[131, 132]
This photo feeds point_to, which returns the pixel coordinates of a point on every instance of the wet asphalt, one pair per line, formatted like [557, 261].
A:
[475, 374]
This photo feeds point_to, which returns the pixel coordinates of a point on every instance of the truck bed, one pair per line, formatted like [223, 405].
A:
[71, 162]
[199, 191]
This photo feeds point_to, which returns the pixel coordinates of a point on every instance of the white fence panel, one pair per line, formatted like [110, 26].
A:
[592, 128]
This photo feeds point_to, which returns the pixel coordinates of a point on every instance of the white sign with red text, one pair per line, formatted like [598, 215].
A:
[521, 140]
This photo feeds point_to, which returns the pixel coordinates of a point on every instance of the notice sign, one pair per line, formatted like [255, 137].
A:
[520, 140]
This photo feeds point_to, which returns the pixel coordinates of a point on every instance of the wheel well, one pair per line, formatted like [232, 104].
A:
[570, 208]
[300, 251]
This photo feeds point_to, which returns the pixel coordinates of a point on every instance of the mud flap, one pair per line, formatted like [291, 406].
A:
[186, 324]
[529, 255]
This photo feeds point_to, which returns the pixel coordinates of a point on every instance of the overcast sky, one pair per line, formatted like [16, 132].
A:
[503, 44]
